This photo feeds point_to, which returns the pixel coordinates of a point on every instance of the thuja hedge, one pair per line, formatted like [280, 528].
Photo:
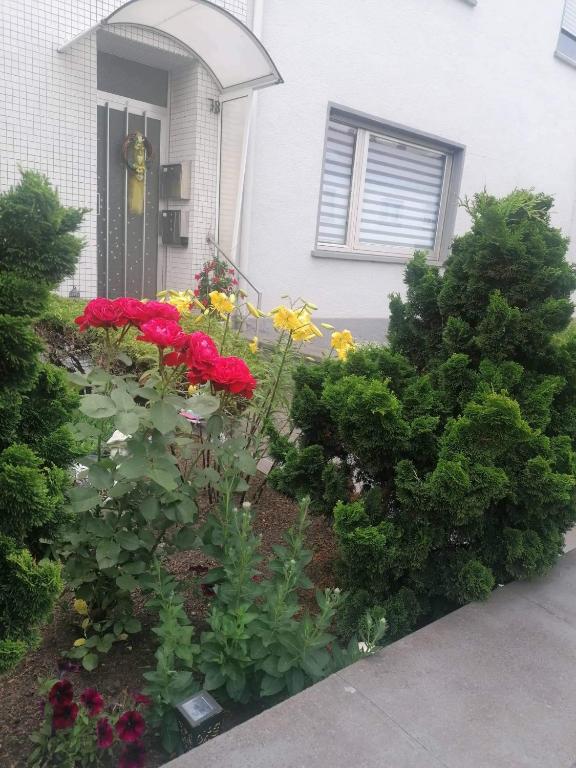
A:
[37, 250]
[448, 458]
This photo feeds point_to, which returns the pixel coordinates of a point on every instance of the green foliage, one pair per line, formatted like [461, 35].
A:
[462, 434]
[260, 642]
[172, 681]
[37, 250]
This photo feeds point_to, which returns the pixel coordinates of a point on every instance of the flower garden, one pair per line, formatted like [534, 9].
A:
[145, 558]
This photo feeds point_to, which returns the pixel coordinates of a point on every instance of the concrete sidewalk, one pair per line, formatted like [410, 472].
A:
[492, 685]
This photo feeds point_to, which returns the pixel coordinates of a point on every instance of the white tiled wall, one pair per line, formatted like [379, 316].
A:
[48, 103]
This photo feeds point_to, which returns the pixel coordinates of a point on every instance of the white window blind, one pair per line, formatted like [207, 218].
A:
[402, 194]
[569, 18]
[337, 183]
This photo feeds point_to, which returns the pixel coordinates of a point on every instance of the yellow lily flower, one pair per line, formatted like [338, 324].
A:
[223, 304]
[253, 346]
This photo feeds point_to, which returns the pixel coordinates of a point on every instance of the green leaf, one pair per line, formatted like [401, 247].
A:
[150, 509]
[203, 405]
[122, 400]
[186, 511]
[107, 553]
[214, 679]
[124, 358]
[127, 582]
[128, 540]
[186, 538]
[163, 416]
[132, 625]
[246, 463]
[100, 477]
[136, 567]
[163, 478]
[83, 498]
[134, 468]
[127, 422]
[97, 406]
[271, 685]
[118, 490]
[90, 661]
[99, 527]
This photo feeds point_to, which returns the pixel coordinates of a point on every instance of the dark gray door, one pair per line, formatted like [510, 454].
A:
[127, 243]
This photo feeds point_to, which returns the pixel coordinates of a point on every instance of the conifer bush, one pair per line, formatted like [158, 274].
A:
[460, 436]
[37, 250]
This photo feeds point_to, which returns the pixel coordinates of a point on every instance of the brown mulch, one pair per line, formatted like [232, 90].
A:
[120, 671]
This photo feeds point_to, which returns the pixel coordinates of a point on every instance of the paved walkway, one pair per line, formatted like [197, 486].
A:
[492, 685]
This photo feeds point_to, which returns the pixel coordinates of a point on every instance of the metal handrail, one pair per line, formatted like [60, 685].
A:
[210, 240]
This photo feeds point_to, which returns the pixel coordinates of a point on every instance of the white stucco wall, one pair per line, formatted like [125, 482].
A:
[48, 123]
[482, 76]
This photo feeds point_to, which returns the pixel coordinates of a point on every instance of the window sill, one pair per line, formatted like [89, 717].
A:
[382, 258]
[566, 59]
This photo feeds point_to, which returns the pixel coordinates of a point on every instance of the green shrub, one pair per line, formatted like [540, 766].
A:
[462, 433]
[37, 250]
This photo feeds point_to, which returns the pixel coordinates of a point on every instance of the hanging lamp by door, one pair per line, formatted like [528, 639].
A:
[137, 152]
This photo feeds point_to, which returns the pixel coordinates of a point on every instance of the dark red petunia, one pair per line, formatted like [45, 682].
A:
[93, 701]
[207, 590]
[67, 665]
[104, 733]
[130, 726]
[64, 715]
[132, 756]
[141, 698]
[61, 692]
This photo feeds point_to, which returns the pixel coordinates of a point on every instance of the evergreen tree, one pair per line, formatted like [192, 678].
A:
[37, 250]
[465, 449]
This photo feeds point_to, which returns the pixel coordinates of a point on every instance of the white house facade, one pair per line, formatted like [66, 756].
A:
[318, 143]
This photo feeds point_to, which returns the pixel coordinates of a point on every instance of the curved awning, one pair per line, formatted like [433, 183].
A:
[231, 51]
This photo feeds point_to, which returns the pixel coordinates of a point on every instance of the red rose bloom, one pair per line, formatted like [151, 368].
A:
[102, 313]
[104, 733]
[61, 692]
[64, 715]
[163, 333]
[130, 726]
[93, 702]
[233, 375]
[200, 357]
[141, 698]
[132, 756]
[139, 312]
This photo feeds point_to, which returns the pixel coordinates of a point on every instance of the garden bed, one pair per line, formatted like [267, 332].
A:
[120, 671]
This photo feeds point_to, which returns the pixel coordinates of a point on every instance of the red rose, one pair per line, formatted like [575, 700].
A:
[233, 375]
[93, 701]
[130, 726]
[61, 692]
[64, 715]
[163, 333]
[200, 356]
[104, 733]
[102, 313]
[139, 312]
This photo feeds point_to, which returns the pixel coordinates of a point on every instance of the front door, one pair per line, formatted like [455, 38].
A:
[127, 241]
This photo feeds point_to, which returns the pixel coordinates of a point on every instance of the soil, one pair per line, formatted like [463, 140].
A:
[120, 672]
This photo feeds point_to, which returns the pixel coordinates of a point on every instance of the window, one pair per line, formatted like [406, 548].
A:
[566, 48]
[386, 192]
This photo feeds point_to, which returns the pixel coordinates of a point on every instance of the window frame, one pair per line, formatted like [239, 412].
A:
[367, 126]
